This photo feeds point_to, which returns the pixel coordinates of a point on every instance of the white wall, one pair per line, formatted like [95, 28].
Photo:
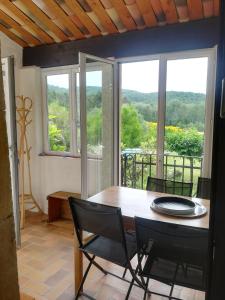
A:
[49, 173]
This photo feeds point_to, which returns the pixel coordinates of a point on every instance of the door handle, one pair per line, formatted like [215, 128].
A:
[222, 103]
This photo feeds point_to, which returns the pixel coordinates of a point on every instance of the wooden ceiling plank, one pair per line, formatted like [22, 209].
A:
[84, 18]
[124, 14]
[100, 12]
[208, 8]
[63, 17]
[160, 15]
[30, 39]
[170, 11]
[147, 12]
[216, 7]
[195, 9]
[41, 16]
[13, 37]
[24, 20]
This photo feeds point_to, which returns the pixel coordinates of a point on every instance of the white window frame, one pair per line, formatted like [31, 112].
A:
[71, 71]
[211, 54]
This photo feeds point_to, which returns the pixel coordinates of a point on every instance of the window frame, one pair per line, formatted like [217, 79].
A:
[211, 54]
[71, 71]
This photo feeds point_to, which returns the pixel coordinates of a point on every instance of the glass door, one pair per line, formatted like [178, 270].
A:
[139, 122]
[98, 125]
[167, 117]
[188, 118]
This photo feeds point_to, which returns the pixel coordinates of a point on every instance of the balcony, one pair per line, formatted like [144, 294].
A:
[136, 167]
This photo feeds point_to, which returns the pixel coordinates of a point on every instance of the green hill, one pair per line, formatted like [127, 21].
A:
[183, 109]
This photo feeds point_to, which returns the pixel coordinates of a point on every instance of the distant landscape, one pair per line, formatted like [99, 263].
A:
[184, 120]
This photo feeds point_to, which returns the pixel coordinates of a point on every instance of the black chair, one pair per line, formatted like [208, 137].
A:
[203, 188]
[169, 186]
[178, 254]
[110, 242]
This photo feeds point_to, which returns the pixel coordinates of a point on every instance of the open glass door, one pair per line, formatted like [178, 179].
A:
[98, 120]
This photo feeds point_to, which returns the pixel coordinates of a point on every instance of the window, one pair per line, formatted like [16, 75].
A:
[166, 117]
[62, 109]
[58, 112]
[61, 113]
[151, 89]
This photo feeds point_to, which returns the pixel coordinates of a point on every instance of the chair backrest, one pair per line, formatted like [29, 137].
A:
[204, 188]
[98, 219]
[179, 188]
[179, 243]
[169, 186]
[156, 185]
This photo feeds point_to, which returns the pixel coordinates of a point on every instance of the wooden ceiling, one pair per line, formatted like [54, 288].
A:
[34, 22]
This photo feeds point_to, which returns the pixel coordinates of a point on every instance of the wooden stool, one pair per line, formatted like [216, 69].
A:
[58, 205]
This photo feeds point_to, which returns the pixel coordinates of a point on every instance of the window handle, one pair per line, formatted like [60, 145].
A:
[222, 103]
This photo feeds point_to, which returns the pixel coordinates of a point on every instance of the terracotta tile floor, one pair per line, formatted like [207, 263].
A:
[45, 264]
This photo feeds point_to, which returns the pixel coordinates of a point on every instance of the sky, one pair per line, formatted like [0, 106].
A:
[187, 75]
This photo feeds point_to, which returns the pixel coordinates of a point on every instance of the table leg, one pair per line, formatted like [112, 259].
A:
[78, 264]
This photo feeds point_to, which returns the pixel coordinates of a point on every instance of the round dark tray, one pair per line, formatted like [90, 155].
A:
[174, 205]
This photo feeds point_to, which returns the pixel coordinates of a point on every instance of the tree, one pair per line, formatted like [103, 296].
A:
[150, 138]
[132, 127]
[56, 139]
[184, 142]
[94, 127]
[59, 125]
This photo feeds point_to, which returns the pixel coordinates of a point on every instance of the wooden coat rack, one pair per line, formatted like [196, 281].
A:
[27, 200]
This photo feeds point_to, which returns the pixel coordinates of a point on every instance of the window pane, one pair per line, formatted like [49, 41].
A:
[185, 119]
[94, 112]
[58, 112]
[139, 115]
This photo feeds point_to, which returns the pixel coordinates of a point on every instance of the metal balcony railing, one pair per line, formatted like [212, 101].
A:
[136, 167]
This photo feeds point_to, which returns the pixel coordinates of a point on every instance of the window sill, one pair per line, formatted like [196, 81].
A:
[58, 155]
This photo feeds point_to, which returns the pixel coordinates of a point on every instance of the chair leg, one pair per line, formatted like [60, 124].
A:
[84, 277]
[124, 273]
[172, 287]
[146, 290]
[96, 264]
[100, 268]
[171, 292]
[132, 281]
[129, 289]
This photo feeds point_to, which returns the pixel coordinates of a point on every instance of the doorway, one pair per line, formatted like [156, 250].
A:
[166, 117]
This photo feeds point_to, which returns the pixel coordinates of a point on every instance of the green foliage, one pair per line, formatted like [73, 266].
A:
[149, 142]
[94, 99]
[59, 127]
[184, 115]
[183, 109]
[55, 138]
[184, 142]
[94, 127]
[132, 127]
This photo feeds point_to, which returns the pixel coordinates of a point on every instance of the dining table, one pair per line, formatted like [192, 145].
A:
[135, 202]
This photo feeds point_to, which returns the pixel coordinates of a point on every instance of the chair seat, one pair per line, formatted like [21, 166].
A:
[164, 270]
[111, 250]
